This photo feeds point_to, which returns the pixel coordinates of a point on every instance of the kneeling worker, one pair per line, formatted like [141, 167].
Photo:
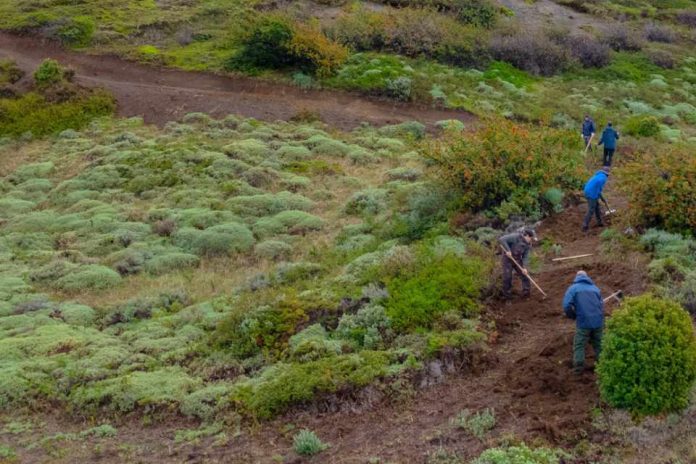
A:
[583, 302]
[516, 246]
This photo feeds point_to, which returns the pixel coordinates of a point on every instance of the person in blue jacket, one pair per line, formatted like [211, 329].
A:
[593, 193]
[583, 302]
[609, 138]
[588, 130]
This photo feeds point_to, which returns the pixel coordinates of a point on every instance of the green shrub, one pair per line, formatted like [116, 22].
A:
[78, 315]
[48, 73]
[369, 328]
[206, 402]
[648, 362]
[171, 262]
[156, 389]
[642, 126]
[269, 203]
[273, 250]
[438, 285]
[92, 277]
[313, 343]
[78, 32]
[282, 385]
[262, 326]
[369, 202]
[509, 164]
[275, 42]
[221, 240]
[33, 113]
[520, 454]
[290, 222]
[306, 443]
[477, 424]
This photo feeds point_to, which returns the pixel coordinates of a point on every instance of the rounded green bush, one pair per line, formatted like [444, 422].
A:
[171, 262]
[642, 126]
[91, 277]
[648, 362]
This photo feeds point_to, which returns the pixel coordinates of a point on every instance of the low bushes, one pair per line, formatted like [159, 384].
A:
[438, 285]
[505, 168]
[648, 362]
[660, 189]
[274, 42]
[88, 278]
[284, 384]
[642, 126]
[533, 52]
[33, 113]
[412, 32]
[521, 454]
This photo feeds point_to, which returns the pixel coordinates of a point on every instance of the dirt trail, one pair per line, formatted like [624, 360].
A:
[160, 95]
[529, 381]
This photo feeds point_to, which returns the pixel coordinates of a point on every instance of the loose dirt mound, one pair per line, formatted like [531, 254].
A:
[161, 95]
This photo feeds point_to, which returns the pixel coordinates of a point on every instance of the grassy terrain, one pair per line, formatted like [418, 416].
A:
[188, 269]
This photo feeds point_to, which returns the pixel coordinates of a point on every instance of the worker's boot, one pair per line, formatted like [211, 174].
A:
[578, 369]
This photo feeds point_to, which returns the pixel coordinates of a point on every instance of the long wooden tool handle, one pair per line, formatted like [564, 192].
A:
[613, 295]
[589, 142]
[572, 257]
[522, 269]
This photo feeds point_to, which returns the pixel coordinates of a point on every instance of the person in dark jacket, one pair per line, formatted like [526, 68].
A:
[593, 193]
[588, 130]
[609, 138]
[516, 246]
[583, 302]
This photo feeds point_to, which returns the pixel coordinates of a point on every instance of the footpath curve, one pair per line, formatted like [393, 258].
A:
[162, 94]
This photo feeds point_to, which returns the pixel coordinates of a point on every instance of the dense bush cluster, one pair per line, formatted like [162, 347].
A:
[660, 189]
[275, 42]
[648, 362]
[505, 168]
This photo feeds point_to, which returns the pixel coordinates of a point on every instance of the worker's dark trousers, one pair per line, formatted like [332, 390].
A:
[582, 336]
[608, 154]
[508, 268]
[593, 208]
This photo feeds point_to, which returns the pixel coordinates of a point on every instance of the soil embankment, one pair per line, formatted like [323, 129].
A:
[160, 95]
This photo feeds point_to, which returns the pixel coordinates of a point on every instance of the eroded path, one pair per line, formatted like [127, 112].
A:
[160, 95]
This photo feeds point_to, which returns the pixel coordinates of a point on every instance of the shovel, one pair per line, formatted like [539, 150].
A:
[617, 295]
[589, 142]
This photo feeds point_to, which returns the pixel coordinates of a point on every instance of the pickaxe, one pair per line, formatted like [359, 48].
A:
[609, 210]
[522, 270]
[617, 295]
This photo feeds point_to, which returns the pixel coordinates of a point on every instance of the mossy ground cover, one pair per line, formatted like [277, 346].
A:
[203, 268]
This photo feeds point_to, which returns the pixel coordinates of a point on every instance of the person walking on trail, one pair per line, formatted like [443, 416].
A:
[583, 302]
[593, 193]
[608, 139]
[588, 130]
[516, 246]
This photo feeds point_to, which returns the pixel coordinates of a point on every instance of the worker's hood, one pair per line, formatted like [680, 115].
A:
[583, 279]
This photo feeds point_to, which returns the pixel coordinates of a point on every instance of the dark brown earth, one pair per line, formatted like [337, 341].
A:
[160, 95]
[526, 378]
